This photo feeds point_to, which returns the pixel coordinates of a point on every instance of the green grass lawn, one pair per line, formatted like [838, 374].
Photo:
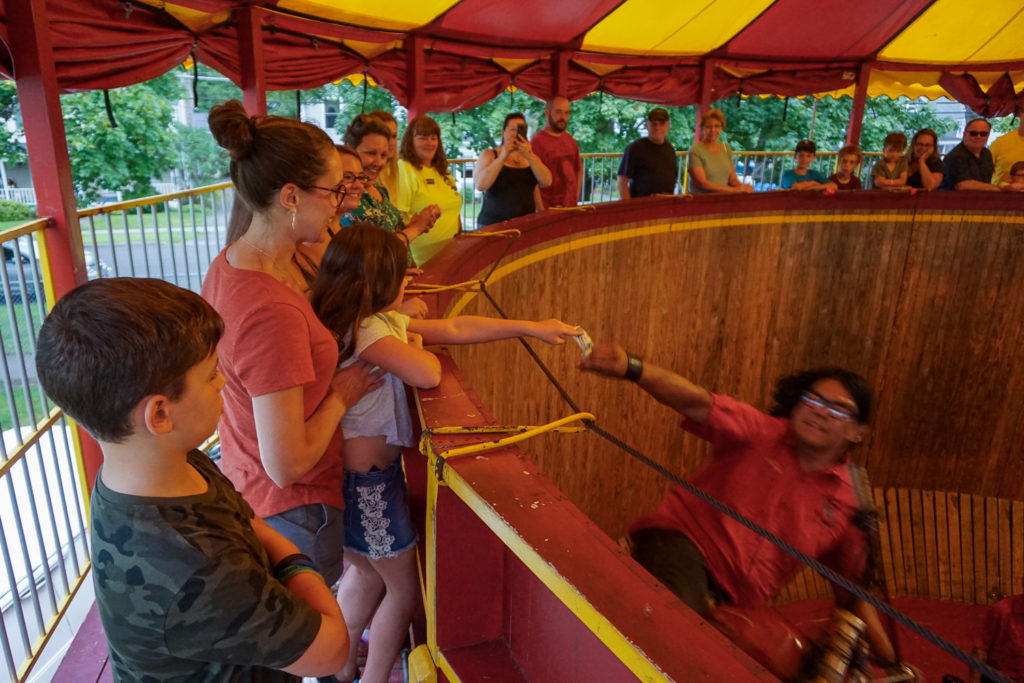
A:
[27, 331]
[21, 403]
[152, 227]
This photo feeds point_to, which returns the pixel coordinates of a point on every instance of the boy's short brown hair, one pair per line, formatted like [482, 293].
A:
[852, 150]
[112, 342]
[895, 141]
[806, 146]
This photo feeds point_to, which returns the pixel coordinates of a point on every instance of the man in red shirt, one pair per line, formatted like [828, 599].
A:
[1002, 640]
[560, 153]
[787, 471]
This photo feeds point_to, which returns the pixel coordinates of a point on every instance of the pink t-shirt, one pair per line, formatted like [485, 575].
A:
[272, 341]
[561, 155]
[755, 471]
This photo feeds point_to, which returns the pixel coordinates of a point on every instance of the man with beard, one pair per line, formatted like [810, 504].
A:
[560, 153]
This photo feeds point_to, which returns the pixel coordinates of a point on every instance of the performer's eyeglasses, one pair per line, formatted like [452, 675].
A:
[978, 133]
[834, 411]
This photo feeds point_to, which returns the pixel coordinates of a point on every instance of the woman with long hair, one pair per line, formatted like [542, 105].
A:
[284, 396]
[923, 162]
[508, 175]
[425, 181]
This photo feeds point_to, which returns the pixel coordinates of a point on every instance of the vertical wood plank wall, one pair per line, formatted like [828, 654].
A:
[927, 305]
[981, 567]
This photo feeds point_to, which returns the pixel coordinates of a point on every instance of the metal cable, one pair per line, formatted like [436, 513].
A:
[935, 639]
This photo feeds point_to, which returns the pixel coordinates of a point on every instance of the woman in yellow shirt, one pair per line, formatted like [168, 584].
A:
[424, 180]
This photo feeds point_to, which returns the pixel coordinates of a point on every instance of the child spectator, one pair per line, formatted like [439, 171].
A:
[1016, 178]
[803, 177]
[890, 172]
[850, 158]
[189, 584]
[362, 279]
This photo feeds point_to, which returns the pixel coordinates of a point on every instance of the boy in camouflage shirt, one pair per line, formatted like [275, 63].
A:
[190, 585]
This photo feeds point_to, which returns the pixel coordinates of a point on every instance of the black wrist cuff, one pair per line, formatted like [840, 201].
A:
[634, 367]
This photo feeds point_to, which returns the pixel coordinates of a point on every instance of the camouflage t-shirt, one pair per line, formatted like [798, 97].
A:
[184, 589]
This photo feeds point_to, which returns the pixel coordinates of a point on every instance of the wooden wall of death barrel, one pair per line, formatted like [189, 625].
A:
[923, 295]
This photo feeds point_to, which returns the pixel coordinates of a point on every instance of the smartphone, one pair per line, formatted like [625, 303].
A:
[521, 130]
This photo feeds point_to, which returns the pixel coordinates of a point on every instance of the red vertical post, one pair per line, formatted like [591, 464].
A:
[415, 87]
[860, 93]
[560, 74]
[35, 76]
[250, 47]
[706, 95]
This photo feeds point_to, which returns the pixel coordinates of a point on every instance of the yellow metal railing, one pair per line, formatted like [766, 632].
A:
[761, 169]
[43, 492]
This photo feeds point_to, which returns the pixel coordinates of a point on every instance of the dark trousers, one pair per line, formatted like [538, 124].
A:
[675, 561]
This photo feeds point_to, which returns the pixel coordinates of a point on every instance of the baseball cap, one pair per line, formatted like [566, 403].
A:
[657, 114]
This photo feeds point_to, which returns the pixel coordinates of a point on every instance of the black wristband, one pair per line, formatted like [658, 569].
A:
[293, 559]
[634, 367]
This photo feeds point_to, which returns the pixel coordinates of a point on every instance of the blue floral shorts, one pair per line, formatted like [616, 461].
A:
[377, 521]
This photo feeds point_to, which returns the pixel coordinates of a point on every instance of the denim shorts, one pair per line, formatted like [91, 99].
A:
[318, 530]
[377, 521]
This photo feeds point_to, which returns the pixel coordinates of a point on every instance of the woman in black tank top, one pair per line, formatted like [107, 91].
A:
[509, 175]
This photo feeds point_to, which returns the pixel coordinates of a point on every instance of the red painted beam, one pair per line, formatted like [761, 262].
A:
[250, 48]
[706, 96]
[860, 94]
[35, 76]
[415, 77]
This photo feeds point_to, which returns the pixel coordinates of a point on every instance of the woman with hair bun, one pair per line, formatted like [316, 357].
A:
[284, 396]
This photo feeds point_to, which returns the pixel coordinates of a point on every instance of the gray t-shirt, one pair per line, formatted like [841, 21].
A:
[184, 588]
[717, 167]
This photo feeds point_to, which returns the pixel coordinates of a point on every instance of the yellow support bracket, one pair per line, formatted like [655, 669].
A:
[519, 433]
[468, 286]
[511, 232]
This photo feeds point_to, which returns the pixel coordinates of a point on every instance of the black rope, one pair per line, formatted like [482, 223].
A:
[533, 354]
[935, 639]
[110, 108]
[195, 83]
[829, 574]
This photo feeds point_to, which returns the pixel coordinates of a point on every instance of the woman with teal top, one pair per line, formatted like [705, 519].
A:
[368, 135]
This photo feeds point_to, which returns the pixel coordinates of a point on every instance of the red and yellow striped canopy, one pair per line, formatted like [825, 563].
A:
[468, 51]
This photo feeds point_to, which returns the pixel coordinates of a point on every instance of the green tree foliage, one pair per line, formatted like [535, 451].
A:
[10, 122]
[199, 159]
[775, 124]
[126, 158]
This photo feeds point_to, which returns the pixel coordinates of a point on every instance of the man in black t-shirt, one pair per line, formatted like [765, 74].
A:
[649, 164]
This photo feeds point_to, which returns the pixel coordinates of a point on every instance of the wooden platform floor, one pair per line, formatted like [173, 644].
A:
[86, 660]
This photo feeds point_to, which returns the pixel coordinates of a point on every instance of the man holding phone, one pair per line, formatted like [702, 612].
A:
[648, 165]
[560, 153]
[509, 175]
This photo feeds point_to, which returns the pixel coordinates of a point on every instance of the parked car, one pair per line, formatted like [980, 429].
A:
[21, 267]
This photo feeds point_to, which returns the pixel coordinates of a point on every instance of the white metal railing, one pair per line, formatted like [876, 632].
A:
[763, 170]
[43, 540]
[25, 195]
[173, 236]
[43, 498]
